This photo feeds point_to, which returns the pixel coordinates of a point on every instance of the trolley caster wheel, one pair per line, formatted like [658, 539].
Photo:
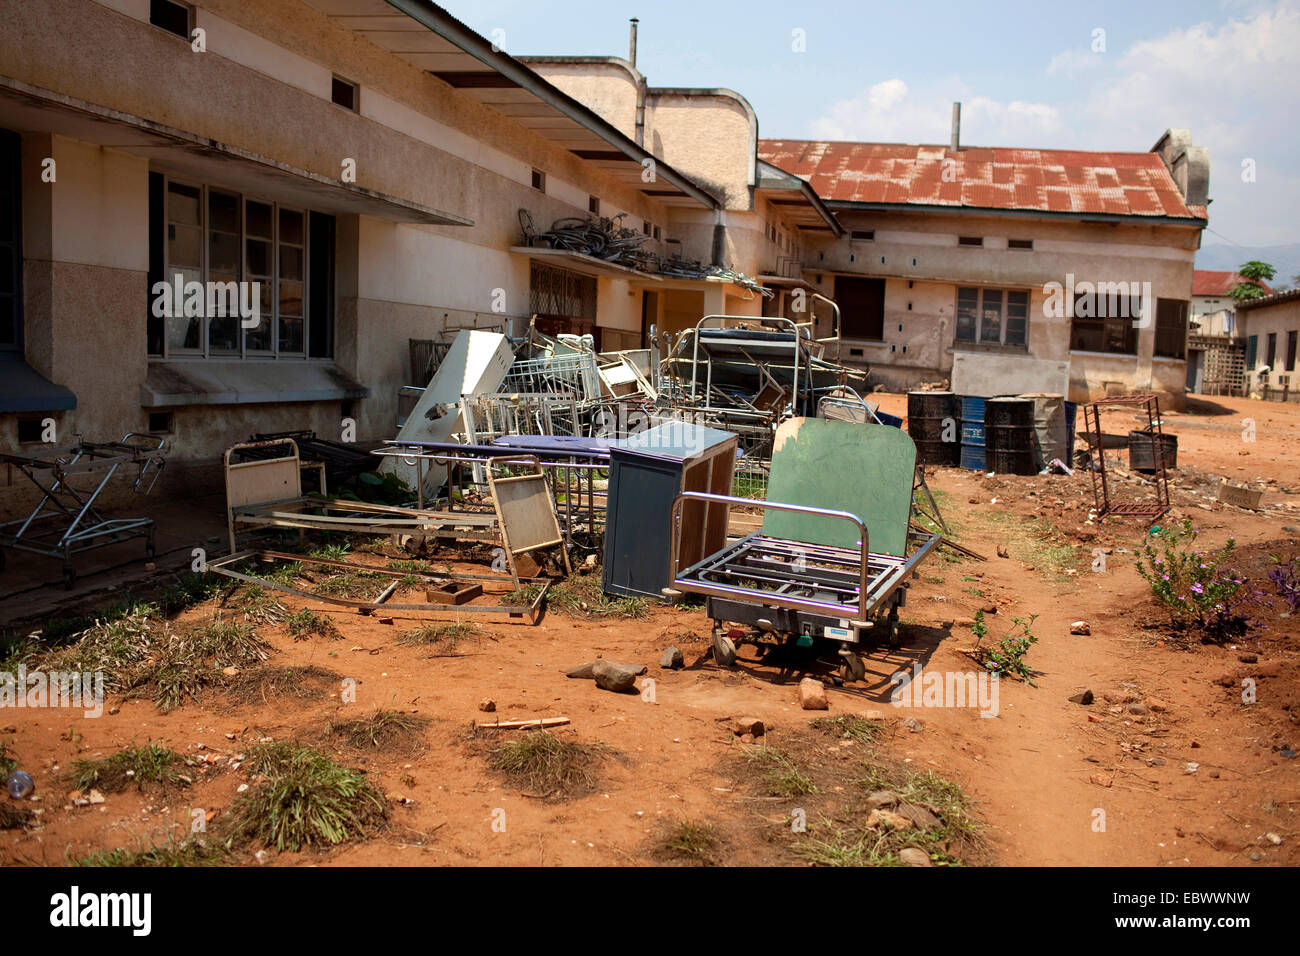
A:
[149, 551]
[891, 626]
[724, 651]
[69, 578]
[855, 669]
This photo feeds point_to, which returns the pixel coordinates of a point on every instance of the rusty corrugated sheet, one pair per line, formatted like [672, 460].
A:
[1049, 180]
[1212, 282]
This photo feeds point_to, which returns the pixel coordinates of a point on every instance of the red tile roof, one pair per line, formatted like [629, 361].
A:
[1209, 282]
[1047, 180]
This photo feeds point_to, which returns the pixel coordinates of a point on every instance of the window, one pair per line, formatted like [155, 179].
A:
[1020, 243]
[1105, 323]
[1290, 351]
[593, 205]
[562, 294]
[344, 93]
[539, 180]
[862, 307]
[11, 253]
[29, 430]
[970, 240]
[160, 422]
[1171, 328]
[863, 235]
[1252, 351]
[658, 233]
[237, 247]
[172, 17]
[645, 228]
[1270, 350]
[993, 317]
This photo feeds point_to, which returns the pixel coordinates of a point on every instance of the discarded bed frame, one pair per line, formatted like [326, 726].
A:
[266, 492]
[1101, 491]
[795, 588]
[66, 520]
[227, 568]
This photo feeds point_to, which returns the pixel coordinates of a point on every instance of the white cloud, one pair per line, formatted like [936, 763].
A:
[890, 111]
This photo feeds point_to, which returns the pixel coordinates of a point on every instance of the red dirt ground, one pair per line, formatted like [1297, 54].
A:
[1030, 771]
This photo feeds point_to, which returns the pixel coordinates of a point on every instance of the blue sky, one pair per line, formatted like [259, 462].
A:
[1026, 73]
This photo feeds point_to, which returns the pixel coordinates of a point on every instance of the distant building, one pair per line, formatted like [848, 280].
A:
[1271, 329]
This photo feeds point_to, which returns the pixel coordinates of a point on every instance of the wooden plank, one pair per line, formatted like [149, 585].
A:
[540, 722]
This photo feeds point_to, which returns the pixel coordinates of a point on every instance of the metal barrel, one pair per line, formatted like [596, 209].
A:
[1009, 434]
[933, 420]
[1142, 450]
[972, 432]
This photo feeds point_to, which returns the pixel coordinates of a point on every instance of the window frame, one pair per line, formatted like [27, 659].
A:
[11, 139]
[978, 342]
[1107, 324]
[1182, 326]
[245, 353]
[188, 37]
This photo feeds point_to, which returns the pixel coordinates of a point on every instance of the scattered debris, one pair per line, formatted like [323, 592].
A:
[812, 694]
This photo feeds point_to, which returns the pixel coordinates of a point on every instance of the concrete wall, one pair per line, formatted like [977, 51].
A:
[918, 254]
[264, 86]
[1279, 319]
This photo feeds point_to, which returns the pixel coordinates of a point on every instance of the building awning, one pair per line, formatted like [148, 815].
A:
[24, 106]
[170, 384]
[431, 39]
[23, 389]
[580, 262]
[796, 200]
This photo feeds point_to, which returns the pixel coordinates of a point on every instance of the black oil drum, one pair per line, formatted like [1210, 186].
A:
[1142, 451]
[934, 422]
[1010, 447]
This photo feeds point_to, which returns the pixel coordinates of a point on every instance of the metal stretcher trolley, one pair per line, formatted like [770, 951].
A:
[829, 564]
[66, 520]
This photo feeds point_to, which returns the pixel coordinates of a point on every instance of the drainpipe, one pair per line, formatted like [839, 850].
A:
[640, 85]
[956, 127]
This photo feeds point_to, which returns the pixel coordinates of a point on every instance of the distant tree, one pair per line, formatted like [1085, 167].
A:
[1252, 273]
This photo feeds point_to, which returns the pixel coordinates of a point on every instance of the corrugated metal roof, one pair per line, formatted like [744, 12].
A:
[1210, 282]
[1047, 180]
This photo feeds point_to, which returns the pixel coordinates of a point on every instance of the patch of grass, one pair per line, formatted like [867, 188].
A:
[350, 585]
[258, 605]
[307, 623]
[189, 590]
[330, 552]
[542, 763]
[113, 646]
[306, 800]
[443, 637]
[689, 841]
[1034, 541]
[412, 566]
[285, 573]
[7, 763]
[12, 817]
[580, 596]
[193, 852]
[186, 663]
[152, 763]
[850, 727]
[781, 776]
[264, 684]
[958, 831]
[382, 730]
[974, 592]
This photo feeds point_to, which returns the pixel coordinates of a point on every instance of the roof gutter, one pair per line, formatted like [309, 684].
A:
[1188, 221]
[438, 20]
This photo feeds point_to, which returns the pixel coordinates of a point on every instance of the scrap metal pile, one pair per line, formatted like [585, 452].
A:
[604, 238]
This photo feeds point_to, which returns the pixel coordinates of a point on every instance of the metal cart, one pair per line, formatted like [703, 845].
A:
[808, 577]
[66, 520]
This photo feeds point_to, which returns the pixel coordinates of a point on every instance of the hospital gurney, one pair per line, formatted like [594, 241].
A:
[829, 566]
[66, 520]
